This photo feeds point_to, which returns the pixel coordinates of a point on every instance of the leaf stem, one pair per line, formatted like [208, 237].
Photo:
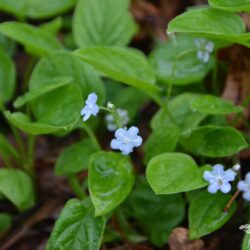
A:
[231, 201]
[91, 135]
[76, 187]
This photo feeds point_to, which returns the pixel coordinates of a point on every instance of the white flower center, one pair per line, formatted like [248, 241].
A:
[127, 140]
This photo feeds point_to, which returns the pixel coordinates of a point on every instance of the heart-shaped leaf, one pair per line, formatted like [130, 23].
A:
[99, 22]
[171, 173]
[206, 213]
[110, 180]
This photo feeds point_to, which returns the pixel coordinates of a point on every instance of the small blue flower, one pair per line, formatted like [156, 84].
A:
[123, 118]
[126, 140]
[205, 48]
[245, 187]
[90, 108]
[219, 179]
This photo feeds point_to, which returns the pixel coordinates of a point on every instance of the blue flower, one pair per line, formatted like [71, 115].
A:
[123, 119]
[126, 140]
[219, 179]
[205, 48]
[90, 108]
[245, 187]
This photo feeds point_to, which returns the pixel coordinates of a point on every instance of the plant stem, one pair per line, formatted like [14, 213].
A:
[31, 147]
[91, 135]
[76, 187]
[231, 201]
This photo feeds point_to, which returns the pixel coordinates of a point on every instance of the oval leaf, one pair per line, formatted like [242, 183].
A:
[213, 141]
[171, 173]
[17, 187]
[124, 65]
[231, 5]
[37, 41]
[209, 104]
[206, 213]
[75, 158]
[99, 22]
[77, 228]
[213, 23]
[176, 62]
[110, 180]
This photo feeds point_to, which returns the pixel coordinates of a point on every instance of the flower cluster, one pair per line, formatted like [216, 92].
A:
[204, 49]
[125, 139]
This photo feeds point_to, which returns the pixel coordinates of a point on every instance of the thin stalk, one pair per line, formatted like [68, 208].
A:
[231, 201]
[31, 147]
[76, 187]
[91, 135]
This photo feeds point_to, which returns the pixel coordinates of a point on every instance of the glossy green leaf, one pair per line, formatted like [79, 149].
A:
[103, 22]
[231, 5]
[77, 228]
[35, 40]
[7, 77]
[181, 111]
[162, 140]
[17, 187]
[5, 223]
[211, 23]
[33, 94]
[7, 149]
[210, 104]
[56, 110]
[110, 180]
[65, 65]
[176, 62]
[157, 214]
[171, 173]
[213, 141]
[36, 9]
[125, 65]
[53, 26]
[206, 213]
[7, 44]
[75, 157]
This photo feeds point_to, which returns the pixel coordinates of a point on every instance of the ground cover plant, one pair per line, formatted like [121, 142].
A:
[124, 124]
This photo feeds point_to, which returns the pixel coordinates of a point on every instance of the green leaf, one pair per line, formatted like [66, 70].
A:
[213, 141]
[124, 65]
[37, 41]
[5, 223]
[231, 5]
[99, 22]
[33, 94]
[157, 214]
[7, 149]
[77, 228]
[246, 242]
[110, 180]
[210, 104]
[65, 65]
[163, 139]
[176, 62]
[180, 109]
[56, 110]
[7, 77]
[171, 173]
[206, 213]
[53, 26]
[17, 187]
[211, 23]
[75, 157]
[36, 9]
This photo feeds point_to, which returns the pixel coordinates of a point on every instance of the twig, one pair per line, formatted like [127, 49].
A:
[231, 201]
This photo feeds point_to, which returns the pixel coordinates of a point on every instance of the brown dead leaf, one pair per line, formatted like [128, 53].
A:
[179, 240]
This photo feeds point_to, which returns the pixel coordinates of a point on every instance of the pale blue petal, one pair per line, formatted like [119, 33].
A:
[218, 169]
[247, 178]
[92, 98]
[213, 188]
[111, 127]
[206, 57]
[115, 144]
[132, 132]
[126, 149]
[137, 141]
[95, 110]
[246, 195]
[120, 133]
[242, 186]
[229, 175]
[207, 175]
[200, 55]
[225, 187]
[86, 116]
[210, 46]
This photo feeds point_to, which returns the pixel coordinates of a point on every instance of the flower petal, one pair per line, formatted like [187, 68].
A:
[120, 133]
[218, 169]
[115, 144]
[92, 98]
[225, 187]
[246, 195]
[133, 131]
[126, 149]
[86, 116]
[137, 141]
[229, 175]
[213, 188]
[247, 178]
[207, 175]
[206, 57]
[243, 186]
